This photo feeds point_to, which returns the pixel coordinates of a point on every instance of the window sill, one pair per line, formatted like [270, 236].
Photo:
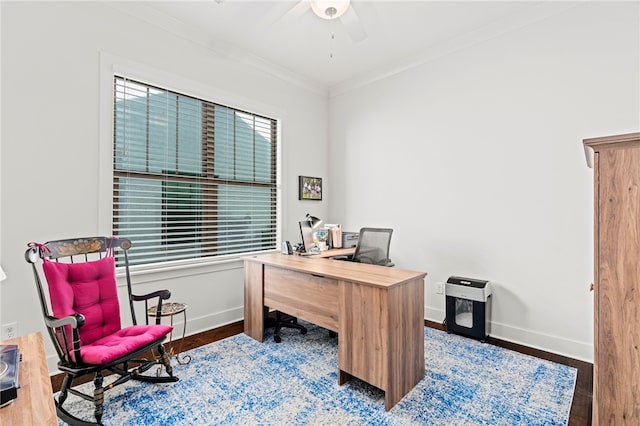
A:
[182, 268]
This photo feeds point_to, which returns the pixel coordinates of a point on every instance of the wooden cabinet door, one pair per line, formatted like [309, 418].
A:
[617, 297]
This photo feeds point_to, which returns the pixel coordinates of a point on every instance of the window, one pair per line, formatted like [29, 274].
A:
[192, 178]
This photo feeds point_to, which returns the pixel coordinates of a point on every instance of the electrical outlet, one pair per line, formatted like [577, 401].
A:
[10, 331]
[439, 288]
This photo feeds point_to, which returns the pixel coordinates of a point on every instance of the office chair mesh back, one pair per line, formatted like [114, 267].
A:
[373, 246]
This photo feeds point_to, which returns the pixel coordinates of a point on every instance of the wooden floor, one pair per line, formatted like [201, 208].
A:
[580, 408]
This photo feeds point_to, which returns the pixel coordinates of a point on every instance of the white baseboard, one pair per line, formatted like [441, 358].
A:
[573, 349]
[214, 320]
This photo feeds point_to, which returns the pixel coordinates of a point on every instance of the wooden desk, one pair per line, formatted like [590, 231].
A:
[378, 313]
[34, 405]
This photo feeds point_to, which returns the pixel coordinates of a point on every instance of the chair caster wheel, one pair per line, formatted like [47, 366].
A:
[277, 339]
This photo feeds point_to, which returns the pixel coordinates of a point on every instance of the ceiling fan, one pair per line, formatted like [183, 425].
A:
[332, 9]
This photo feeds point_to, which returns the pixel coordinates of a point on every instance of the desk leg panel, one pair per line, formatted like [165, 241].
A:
[253, 300]
[406, 340]
[363, 333]
[381, 337]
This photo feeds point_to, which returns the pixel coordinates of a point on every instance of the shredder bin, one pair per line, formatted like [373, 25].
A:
[468, 307]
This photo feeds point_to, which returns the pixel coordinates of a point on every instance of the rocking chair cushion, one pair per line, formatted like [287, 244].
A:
[89, 288]
[122, 342]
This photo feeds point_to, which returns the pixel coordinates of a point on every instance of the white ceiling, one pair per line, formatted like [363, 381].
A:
[288, 38]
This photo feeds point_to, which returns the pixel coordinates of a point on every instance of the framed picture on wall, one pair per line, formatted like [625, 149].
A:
[310, 188]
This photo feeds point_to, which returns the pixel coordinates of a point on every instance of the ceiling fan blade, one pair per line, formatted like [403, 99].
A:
[353, 25]
[295, 12]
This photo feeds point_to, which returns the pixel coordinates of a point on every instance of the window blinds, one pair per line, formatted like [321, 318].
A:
[192, 178]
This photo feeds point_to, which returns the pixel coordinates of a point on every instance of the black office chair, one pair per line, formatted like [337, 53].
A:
[282, 320]
[373, 246]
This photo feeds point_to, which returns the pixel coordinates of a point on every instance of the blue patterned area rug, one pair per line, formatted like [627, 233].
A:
[238, 381]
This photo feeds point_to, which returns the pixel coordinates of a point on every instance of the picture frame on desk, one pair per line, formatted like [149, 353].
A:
[309, 188]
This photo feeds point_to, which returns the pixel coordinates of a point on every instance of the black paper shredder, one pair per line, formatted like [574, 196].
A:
[468, 310]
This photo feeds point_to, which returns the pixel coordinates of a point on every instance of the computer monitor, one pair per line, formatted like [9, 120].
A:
[306, 232]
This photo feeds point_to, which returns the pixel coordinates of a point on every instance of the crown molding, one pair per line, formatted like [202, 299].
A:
[495, 29]
[220, 49]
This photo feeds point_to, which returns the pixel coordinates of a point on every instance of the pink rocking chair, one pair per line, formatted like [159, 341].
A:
[84, 320]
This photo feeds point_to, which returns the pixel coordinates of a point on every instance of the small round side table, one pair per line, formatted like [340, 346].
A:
[170, 310]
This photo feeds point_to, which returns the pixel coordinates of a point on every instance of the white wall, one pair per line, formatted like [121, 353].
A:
[475, 159]
[54, 56]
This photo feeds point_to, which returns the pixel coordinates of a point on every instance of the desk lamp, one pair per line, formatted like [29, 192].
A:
[313, 221]
[315, 225]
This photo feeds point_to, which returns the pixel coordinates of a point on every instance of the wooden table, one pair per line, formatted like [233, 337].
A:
[378, 313]
[34, 405]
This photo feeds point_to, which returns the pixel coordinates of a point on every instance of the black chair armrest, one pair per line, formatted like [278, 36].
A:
[75, 321]
[60, 336]
[162, 294]
[371, 261]
[343, 257]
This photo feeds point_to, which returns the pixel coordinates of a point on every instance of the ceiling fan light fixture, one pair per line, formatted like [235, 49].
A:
[329, 9]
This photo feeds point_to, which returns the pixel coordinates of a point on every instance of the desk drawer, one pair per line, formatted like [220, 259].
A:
[308, 297]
